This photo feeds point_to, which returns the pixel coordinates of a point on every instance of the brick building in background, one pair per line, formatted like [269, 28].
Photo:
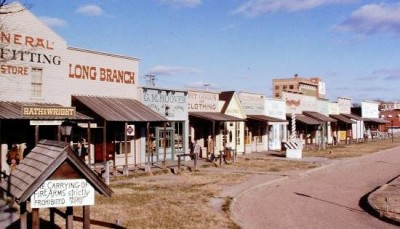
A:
[313, 86]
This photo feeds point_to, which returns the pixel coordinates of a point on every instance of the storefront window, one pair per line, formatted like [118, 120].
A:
[120, 147]
[257, 131]
[247, 136]
[178, 135]
[237, 134]
[165, 139]
[36, 82]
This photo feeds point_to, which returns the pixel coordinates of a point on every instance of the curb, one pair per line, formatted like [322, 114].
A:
[374, 209]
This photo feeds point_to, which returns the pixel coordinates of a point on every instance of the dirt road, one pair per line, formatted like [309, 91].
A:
[327, 197]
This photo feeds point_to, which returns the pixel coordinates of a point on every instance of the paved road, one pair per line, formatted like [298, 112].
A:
[326, 197]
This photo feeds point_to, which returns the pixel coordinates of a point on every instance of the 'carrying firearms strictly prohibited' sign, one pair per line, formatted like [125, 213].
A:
[62, 193]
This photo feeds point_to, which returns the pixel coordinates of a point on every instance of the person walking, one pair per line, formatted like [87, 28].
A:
[196, 149]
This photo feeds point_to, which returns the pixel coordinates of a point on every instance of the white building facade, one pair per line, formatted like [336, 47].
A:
[37, 68]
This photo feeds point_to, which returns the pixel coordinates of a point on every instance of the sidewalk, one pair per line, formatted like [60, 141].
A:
[385, 201]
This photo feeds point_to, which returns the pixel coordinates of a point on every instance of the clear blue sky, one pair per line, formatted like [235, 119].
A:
[353, 45]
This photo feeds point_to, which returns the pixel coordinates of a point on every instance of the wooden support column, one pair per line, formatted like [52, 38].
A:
[236, 141]
[35, 218]
[36, 134]
[59, 133]
[214, 140]
[23, 221]
[52, 216]
[148, 167]
[86, 217]
[126, 150]
[164, 163]
[106, 168]
[89, 142]
[69, 217]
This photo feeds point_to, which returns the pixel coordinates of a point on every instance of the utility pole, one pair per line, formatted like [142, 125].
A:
[150, 80]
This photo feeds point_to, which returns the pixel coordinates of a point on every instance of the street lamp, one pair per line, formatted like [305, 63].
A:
[66, 128]
[391, 122]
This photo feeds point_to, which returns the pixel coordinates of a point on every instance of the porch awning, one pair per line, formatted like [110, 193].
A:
[13, 110]
[342, 119]
[353, 116]
[119, 109]
[215, 116]
[265, 118]
[319, 116]
[305, 119]
[376, 120]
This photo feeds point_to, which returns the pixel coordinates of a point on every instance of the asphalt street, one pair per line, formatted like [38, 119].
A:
[332, 196]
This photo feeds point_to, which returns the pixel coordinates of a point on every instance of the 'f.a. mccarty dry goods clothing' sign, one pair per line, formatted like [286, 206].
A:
[252, 104]
[202, 101]
[36, 64]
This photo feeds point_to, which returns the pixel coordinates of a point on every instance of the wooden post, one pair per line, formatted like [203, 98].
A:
[126, 149]
[59, 133]
[35, 218]
[148, 167]
[164, 163]
[195, 161]
[114, 152]
[36, 134]
[179, 163]
[214, 140]
[106, 168]
[86, 217]
[134, 150]
[52, 217]
[89, 142]
[69, 219]
[236, 141]
[23, 221]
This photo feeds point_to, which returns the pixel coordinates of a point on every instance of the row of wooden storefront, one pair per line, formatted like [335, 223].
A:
[120, 121]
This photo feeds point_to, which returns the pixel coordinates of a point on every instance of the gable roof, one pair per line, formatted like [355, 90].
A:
[226, 96]
[22, 13]
[41, 163]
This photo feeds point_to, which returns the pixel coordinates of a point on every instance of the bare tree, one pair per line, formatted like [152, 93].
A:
[9, 10]
[5, 9]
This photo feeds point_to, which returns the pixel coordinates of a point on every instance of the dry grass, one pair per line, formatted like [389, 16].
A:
[264, 163]
[352, 150]
[183, 201]
[167, 201]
